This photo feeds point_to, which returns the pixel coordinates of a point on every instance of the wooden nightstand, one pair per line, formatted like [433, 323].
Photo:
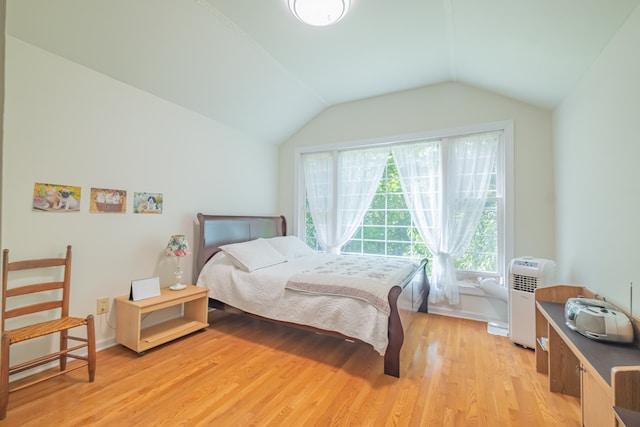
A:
[129, 314]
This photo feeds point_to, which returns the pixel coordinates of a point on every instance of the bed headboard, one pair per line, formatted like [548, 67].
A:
[217, 230]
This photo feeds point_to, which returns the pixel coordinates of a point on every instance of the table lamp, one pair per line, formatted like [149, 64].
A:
[177, 247]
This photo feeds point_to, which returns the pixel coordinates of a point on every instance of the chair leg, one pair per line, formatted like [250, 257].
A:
[64, 343]
[91, 348]
[4, 372]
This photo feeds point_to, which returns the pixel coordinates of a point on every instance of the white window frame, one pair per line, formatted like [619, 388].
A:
[505, 166]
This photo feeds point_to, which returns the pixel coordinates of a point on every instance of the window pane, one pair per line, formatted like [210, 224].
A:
[375, 217]
[379, 202]
[374, 248]
[399, 217]
[374, 233]
[396, 201]
[399, 233]
[399, 249]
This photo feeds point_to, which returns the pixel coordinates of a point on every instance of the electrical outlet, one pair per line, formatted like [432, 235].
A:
[102, 305]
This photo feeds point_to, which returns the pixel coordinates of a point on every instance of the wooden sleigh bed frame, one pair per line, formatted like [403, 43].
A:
[406, 299]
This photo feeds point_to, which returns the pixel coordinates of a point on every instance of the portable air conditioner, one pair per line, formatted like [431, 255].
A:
[526, 274]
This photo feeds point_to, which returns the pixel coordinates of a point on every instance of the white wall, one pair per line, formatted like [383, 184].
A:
[439, 107]
[66, 124]
[597, 155]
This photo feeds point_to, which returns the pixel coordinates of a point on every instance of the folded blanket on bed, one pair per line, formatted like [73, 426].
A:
[362, 277]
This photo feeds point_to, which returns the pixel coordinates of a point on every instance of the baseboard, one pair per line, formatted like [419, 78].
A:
[105, 344]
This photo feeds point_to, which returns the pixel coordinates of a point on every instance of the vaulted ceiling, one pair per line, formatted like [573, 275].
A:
[251, 65]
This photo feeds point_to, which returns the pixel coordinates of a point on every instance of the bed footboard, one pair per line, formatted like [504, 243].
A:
[406, 299]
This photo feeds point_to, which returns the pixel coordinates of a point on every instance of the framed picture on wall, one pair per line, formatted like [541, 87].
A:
[147, 203]
[56, 198]
[106, 200]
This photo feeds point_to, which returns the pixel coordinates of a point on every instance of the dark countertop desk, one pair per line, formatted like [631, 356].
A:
[603, 356]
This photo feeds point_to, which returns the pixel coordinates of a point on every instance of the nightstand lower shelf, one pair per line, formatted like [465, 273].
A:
[168, 331]
[129, 315]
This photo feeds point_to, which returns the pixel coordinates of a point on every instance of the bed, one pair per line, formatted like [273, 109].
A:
[383, 329]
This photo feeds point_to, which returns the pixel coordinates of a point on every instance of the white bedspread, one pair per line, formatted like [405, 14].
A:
[365, 277]
[263, 292]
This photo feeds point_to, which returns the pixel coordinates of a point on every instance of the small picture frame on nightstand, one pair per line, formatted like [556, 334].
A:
[144, 288]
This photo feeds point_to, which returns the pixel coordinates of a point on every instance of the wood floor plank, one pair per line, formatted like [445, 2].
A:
[242, 372]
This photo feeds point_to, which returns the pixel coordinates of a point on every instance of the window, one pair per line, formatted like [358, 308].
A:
[388, 229]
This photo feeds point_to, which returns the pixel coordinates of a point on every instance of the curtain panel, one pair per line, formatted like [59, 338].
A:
[445, 184]
[340, 187]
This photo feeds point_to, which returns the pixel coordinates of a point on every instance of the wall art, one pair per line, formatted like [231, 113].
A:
[106, 200]
[147, 203]
[56, 198]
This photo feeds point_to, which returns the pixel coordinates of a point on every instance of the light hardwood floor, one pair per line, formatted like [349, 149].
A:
[242, 372]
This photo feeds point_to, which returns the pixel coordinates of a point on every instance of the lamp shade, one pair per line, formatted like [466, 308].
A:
[319, 12]
[177, 246]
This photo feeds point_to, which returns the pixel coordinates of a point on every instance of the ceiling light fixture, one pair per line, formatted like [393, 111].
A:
[319, 12]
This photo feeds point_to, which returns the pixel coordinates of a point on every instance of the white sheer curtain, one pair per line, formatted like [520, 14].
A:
[445, 185]
[357, 174]
[318, 171]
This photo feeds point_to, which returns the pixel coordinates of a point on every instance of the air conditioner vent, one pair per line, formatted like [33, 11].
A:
[524, 283]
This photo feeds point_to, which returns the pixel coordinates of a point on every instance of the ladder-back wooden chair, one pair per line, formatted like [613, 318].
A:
[52, 300]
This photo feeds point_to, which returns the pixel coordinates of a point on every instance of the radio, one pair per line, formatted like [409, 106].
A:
[598, 320]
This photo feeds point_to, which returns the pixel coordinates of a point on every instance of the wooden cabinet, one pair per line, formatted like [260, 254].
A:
[132, 333]
[596, 401]
[581, 367]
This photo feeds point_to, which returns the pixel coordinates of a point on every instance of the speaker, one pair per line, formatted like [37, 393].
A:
[589, 322]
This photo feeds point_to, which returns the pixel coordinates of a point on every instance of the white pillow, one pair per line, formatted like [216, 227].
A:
[290, 246]
[252, 255]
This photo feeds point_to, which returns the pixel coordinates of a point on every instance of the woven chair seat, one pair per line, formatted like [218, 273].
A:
[44, 328]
